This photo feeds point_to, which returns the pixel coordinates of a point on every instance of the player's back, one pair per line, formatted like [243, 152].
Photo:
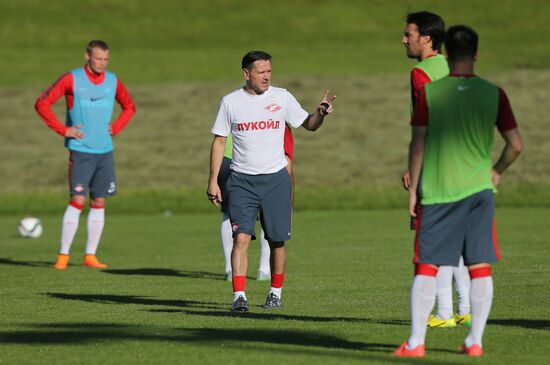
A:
[462, 117]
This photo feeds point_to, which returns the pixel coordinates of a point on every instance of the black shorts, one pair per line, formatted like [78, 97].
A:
[93, 173]
[463, 228]
[268, 194]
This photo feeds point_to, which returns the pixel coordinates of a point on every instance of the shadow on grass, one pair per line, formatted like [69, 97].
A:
[151, 271]
[6, 261]
[131, 299]
[537, 324]
[313, 343]
[274, 315]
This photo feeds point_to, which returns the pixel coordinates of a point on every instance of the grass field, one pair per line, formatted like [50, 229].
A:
[172, 41]
[179, 58]
[163, 298]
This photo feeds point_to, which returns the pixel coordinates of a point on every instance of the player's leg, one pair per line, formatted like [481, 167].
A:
[226, 233]
[481, 299]
[102, 185]
[422, 303]
[462, 287]
[275, 217]
[481, 249]
[278, 266]
[438, 242]
[226, 237]
[264, 270]
[243, 210]
[444, 296]
[239, 264]
[79, 177]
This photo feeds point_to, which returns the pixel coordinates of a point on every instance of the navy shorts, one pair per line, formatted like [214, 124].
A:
[268, 194]
[223, 176]
[463, 228]
[93, 173]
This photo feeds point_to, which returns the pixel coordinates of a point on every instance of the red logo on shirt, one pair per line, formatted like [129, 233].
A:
[272, 108]
[260, 125]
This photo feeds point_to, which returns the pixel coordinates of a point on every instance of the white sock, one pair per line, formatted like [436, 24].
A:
[237, 294]
[69, 228]
[481, 298]
[277, 291]
[422, 303]
[226, 236]
[462, 287]
[96, 221]
[444, 292]
[265, 253]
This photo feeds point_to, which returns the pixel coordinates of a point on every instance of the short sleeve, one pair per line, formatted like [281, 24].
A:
[505, 117]
[418, 80]
[295, 114]
[222, 125]
[420, 116]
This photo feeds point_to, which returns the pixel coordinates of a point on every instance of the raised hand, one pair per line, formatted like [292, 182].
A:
[325, 106]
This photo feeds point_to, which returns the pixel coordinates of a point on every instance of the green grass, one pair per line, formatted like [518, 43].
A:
[171, 41]
[179, 58]
[163, 298]
[167, 145]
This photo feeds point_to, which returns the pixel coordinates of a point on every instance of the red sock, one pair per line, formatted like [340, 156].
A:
[239, 283]
[277, 280]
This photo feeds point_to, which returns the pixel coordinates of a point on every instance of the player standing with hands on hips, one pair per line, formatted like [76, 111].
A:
[90, 93]
[255, 115]
[452, 137]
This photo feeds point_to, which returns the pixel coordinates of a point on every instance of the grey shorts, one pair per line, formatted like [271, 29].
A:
[465, 228]
[268, 194]
[93, 173]
[222, 182]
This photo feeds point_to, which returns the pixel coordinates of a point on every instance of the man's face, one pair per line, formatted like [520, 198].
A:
[97, 60]
[413, 41]
[258, 78]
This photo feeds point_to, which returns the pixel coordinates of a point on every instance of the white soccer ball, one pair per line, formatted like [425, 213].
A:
[30, 227]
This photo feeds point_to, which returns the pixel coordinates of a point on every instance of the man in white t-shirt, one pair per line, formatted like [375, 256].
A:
[255, 115]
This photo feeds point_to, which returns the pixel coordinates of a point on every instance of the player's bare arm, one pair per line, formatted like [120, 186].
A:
[406, 180]
[512, 149]
[314, 121]
[416, 156]
[216, 156]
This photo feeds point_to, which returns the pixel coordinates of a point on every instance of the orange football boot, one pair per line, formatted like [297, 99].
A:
[474, 350]
[62, 262]
[403, 351]
[93, 262]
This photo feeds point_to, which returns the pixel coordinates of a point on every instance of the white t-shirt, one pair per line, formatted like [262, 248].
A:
[257, 123]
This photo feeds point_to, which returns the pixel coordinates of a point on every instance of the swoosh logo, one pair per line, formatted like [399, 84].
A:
[463, 87]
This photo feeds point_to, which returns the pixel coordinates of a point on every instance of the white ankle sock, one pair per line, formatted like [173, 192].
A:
[237, 294]
[422, 303]
[481, 298]
[69, 228]
[277, 291]
[96, 221]
[226, 236]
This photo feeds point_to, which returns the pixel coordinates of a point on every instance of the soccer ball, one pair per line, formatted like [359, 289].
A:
[30, 227]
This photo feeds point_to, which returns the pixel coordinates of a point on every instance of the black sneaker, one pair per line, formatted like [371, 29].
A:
[239, 305]
[272, 301]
